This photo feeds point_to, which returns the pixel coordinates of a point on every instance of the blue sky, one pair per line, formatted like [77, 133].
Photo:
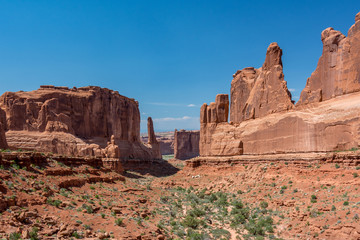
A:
[171, 56]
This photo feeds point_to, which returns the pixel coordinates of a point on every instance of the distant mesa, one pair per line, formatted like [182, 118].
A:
[186, 144]
[3, 142]
[165, 140]
[263, 117]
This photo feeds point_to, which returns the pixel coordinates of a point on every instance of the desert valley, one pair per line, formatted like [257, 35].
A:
[74, 165]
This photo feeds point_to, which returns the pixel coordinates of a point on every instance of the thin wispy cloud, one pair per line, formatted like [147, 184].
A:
[165, 104]
[171, 123]
[292, 89]
[167, 119]
[296, 97]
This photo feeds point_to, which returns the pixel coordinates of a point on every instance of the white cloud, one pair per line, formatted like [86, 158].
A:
[163, 104]
[167, 119]
[296, 97]
[171, 104]
[292, 89]
[170, 123]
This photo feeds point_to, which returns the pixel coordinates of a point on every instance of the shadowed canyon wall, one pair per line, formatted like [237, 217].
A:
[186, 144]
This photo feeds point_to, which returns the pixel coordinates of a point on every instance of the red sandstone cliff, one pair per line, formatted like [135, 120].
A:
[186, 144]
[152, 142]
[326, 126]
[263, 118]
[338, 70]
[3, 142]
[76, 122]
[258, 92]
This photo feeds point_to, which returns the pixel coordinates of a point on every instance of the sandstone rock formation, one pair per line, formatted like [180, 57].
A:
[258, 92]
[328, 126]
[217, 111]
[85, 112]
[151, 132]
[186, 144]
[165, 140]
[263, 119]
[167, 146]
[3, 142]
[112, 150]
[338, 71]
[113, 164]
[74, 122]
[152, 142]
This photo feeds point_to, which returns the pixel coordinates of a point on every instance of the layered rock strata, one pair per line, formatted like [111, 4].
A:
[3, 142]
[338, 71]
[327, 126]
[347, 158]
[73, 122]
[186, 144]
[152, 142]
[263, 119]
[258, 92]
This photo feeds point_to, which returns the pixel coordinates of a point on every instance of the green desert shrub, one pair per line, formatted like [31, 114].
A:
[313, 199]
[264, 204]
[190, 222]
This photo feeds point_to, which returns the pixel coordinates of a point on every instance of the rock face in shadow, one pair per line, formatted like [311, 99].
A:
[166, 146]
[263, 119]
[151, 132]
[74, 122]
[186, 144]
[338, 71]
[3, 142]
[258, 92]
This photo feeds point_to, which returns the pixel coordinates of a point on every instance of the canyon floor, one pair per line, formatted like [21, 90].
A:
[264, 200]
